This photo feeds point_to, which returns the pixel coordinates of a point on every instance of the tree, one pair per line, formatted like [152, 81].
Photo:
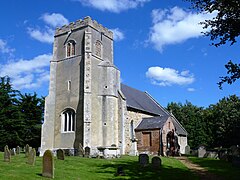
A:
[11, 125]
[224, 28]
[31, 108]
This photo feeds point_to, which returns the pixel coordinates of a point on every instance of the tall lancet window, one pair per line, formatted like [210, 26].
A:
[98, 49]
[132, 131]
[68, 120]
[71, 48]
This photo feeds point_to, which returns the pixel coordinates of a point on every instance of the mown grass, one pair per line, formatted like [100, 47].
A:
[219, 167]
[76, 168]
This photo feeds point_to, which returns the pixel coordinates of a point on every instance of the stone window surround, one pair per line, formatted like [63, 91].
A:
[70, 48]
[68, 121]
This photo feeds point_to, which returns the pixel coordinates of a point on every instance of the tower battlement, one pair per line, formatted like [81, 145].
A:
[87, 21]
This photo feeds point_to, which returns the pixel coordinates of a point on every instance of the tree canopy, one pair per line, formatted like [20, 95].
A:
[215, 126]
[20, 116]
[222, 29]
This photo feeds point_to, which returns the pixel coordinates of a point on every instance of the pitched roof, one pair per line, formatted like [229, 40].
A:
[156, 122]
[141, 100]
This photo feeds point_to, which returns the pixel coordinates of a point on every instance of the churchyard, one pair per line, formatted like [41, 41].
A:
[127, 167]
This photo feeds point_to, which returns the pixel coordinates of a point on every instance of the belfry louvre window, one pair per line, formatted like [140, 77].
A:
[68, 120]
[70, 48]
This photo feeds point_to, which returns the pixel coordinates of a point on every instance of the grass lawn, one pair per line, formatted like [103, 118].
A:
[219, 167]
[76, 168]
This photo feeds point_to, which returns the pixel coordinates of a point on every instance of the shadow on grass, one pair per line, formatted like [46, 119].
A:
[216, 166]
[133, 170]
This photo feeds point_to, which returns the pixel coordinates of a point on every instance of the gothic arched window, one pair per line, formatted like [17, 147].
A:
[68, 120]
[98, 49]
[70, 48]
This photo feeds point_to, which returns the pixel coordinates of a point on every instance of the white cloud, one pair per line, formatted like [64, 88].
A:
[54, 19]
[26, 74]
[46, 34]
[117, 34]
[167, 76]
[115, 6]
[4, 47]
[172, 26]
[191, 89]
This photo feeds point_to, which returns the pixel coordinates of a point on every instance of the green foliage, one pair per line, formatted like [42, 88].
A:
[217, 125]
[20, 117]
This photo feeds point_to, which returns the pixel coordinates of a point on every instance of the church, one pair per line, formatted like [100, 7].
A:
[88, 106]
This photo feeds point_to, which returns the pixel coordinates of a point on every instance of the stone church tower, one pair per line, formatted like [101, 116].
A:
[85, 104]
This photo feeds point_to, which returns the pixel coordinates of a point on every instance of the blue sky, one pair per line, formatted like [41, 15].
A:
[159, 47]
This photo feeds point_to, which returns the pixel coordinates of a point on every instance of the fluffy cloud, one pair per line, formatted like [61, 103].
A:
[191, 89]
[46, 35]
[26, 74]
[172, 26]
[167, 76]
[115, 6]
[54, 19]
[4, 47]
[117, 34]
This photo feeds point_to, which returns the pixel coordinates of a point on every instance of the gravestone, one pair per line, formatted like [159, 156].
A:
[80, 150]
[120, 171]
[187, 149]
[13, 151]
[27, 150]
[48, 164]
[7, 154]
[143, 159]
[87, 152]
[235, 150]
[60, 154]
[18, 150]
[32, 157]
[201, 151]
[156, 162]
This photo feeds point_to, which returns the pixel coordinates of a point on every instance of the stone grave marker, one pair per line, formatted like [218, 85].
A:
[13, 151]
[187, 149]
[87, 152]
[18, 150]
[32, 157]
[60, 154]
[201, 151]
[27, 150]
[156, 162]
[7, 154]
[80, 150]
[48, 164]
[143, 159]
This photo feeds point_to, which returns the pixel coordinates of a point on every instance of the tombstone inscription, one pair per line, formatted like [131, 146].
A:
[48, 164]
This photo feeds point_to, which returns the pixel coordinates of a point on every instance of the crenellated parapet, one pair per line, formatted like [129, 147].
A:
[87, 21]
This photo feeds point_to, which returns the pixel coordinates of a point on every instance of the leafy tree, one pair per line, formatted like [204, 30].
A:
[224, 28]
[226, 114]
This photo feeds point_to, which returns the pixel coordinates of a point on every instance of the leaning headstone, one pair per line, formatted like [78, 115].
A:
[143, 159]
[156, 162]
[27, 150]
[18, 150]
[80, 150]
[87, 152]
[48, 164]
[32, 157]
[60, 154]
[201, 151]
[7, 154]
[187, 150]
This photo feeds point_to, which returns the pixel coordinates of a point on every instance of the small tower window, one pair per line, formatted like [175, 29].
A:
[69, 85]
[71, 45]
[98, 49]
